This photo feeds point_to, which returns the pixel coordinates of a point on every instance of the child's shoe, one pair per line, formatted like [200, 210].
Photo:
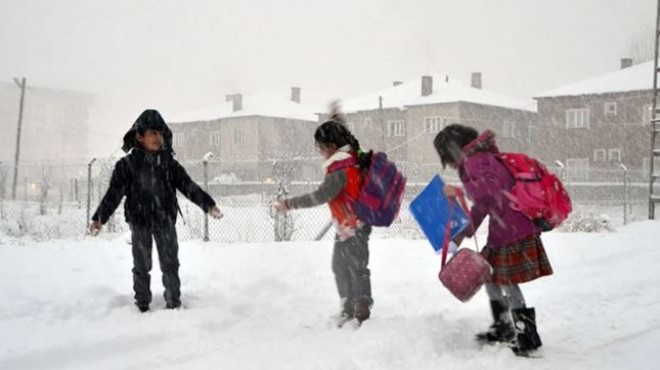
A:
[174, 304]
[347, 308]
[362, 310]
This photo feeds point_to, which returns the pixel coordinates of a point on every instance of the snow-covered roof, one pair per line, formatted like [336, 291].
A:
[445, 90]
[267, 104]
[635, 78]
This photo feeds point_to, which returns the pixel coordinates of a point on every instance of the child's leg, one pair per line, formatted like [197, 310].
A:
[495, 292]
[141, 247]
[527, 337]
[342, 276]
[168, 256]
[515, 295]
[501, 330]
[499, 304]
[356, 251]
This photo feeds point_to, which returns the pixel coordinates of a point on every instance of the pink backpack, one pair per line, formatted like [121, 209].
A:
[537, 193]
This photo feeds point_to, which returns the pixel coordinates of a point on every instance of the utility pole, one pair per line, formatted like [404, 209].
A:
[22, 85]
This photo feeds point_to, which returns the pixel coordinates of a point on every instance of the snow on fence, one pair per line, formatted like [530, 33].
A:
[54, 200]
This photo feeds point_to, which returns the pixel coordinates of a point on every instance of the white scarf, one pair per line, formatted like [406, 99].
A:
[341, 154]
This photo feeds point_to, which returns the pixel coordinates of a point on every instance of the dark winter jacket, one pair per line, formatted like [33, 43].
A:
[149, 181]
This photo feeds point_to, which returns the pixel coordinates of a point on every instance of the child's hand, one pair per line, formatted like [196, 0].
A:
[95, 228]
[215, 212]
[280, 206]
[459, 239]
[451, 191]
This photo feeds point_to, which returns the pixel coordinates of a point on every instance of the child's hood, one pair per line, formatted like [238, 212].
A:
[149, 119]
[484, 143]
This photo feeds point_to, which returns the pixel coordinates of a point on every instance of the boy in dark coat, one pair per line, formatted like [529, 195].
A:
[149, 177]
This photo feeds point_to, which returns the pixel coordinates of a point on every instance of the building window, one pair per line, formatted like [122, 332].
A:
[614, 155]
[610, 108]
[367, 122]
[215, 138]
[509, 129]
[239, 136]
[177, 139]
[647, 114]
[600, 155]
[577, 118]
[577, 169]
[434, 124]
[646, 166]
[396, 128]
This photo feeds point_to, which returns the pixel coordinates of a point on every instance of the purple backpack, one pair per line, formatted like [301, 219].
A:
[379, 199]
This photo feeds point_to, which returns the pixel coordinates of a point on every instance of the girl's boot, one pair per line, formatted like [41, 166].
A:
[502, 329]
[527, 338]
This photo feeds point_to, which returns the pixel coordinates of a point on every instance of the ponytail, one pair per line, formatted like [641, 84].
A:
[363, 158]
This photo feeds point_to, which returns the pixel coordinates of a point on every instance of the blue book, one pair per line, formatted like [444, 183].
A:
[432, 211]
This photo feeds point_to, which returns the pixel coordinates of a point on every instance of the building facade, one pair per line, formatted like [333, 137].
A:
[599, 123]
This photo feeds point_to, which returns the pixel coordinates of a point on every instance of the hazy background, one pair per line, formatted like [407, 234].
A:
[180, 56]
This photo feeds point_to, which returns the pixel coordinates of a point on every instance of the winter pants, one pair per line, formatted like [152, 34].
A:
[349, 264]
[508, 295]
[168, 250]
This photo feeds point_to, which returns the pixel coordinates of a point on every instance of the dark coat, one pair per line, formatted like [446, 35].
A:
[149, 181]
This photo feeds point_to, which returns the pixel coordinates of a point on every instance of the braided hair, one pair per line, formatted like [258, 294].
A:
[334, 132]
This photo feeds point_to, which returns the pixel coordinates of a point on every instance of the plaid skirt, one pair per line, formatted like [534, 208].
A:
[519, 262]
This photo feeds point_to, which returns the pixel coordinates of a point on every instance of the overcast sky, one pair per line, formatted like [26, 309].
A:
[180, 56]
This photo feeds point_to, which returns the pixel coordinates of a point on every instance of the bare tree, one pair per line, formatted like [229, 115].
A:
[282, 171]
[3, 180]
[45, 183]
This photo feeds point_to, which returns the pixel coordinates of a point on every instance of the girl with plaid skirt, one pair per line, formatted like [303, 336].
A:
[514, 248]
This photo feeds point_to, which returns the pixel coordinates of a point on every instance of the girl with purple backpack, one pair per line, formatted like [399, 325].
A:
[514, 248]
[343, 164]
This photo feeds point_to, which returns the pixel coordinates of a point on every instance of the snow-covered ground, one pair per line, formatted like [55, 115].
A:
[68, 305]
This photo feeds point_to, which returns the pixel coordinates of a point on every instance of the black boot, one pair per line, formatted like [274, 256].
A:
[173, 304]
[362, 310]
[502, 329]
[527, 338]
[347, 308]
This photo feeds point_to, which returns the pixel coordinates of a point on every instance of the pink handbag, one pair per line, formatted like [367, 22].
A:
[466, 271]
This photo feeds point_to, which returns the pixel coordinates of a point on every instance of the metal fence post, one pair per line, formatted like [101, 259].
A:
[89, 189]
[205, 162]
[626, 184]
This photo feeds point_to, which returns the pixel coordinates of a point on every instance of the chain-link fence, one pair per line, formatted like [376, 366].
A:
[55, 200]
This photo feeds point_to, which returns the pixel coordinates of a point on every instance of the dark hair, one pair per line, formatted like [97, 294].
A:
[335, 132]
[450, 141]
[150, 119]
